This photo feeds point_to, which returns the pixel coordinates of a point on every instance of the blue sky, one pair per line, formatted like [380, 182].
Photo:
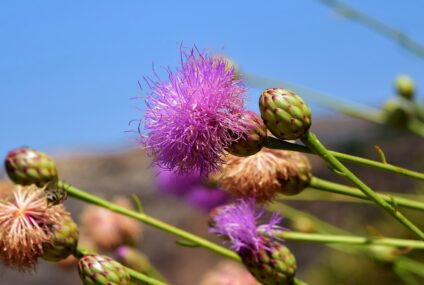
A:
[69, 68]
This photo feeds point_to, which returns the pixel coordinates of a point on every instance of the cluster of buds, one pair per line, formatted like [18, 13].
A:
[33, 227]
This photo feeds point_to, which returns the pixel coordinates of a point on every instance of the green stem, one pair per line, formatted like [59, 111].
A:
[327, 186]
[312, 142]
[279, 144]
[134, 274]
[92, 199]
[347, 239]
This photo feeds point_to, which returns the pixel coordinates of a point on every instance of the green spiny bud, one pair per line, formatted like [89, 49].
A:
[96, 269]
[26, 166]
[284, 113]
[405, 86]
[274, 265]
[298, 176]
[63, 242]
[398, 112]
[254, 139]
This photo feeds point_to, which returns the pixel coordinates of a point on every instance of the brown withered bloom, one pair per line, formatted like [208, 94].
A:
[26, 222]
[109, 230]
[264, 174]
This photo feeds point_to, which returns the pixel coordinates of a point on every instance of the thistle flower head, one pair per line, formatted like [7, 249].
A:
[192, 117]
[264, 174]
[238, 222]
[26, 223]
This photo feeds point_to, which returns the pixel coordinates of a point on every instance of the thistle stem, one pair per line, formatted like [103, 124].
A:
[347, 239]
[312, 142]
[327, 186]
[279, 144]
[135, 275]
[92, 199]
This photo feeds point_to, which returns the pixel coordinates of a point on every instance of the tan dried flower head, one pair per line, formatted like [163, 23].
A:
[109, 230]
[228, 272]
[26, 222]
[264, 174]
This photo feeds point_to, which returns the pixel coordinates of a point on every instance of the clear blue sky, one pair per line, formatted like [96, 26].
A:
[69, 68]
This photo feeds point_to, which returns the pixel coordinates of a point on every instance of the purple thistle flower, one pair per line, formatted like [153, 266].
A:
[192, 117]
[238, 222]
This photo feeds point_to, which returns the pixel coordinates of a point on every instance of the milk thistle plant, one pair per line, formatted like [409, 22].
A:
[203, 141]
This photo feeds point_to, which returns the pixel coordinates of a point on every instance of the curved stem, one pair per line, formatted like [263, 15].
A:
[314, 144]
[327, 186]
[279, 144]
[347, 239]
[92, 199]
[135, 275]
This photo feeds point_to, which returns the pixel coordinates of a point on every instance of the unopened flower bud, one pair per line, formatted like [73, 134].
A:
[284, 113]
[303, 224]
[405, 86]
[26, 166]
[134, 259]
[63, 242]
[254, 139]
[398, 112]
[299, 174]
[384, 254]
[273, 265]
[96, 269]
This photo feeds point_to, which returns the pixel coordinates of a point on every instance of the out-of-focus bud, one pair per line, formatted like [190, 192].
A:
[384, 254]
[228, 272]
[26, 166]
[398, 112]
[405, 86]
[134, 259]
[303, 224]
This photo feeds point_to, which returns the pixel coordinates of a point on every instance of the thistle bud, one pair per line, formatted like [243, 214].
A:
[96, 269]
[26, 166]
[134, 259]
[384, 254]
[405, 86]
[273, 265]
[254, 139]
[398, 112]
[299, 174]
[284, 113]
[64, 241]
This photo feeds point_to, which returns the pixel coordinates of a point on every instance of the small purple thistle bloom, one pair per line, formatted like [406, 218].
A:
[192, 117]
[238, 222]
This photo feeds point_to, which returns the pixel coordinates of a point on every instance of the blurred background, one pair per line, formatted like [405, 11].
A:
[69, 75]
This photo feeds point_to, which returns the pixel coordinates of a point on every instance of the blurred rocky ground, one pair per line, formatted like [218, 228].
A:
[129, 171]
